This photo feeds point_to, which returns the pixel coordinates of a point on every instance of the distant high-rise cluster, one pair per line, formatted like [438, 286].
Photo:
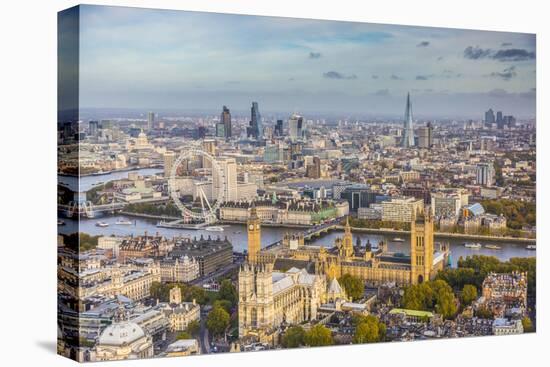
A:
[499, 119]
[408, 132]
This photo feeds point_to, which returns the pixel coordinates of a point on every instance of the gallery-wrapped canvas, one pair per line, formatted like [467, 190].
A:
[234, 183]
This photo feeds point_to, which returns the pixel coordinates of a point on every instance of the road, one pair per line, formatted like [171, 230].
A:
[203, 335]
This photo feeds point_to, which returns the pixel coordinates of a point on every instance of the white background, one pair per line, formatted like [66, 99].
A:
[28, 181]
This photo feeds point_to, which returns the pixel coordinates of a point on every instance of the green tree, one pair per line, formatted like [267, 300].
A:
[195, 293]
[527, 325]
[369, 329]
[484, 313]
[319, 335]
[217, 321]
[294, 337]
[223, 303]
[435, 295]
[228, 292]
[468, 295]
[193, 327]
[354, 286]
[183, 335]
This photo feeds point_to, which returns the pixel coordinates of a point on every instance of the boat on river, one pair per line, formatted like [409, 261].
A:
[397, 239]
[493, 247]
[123, 222]
[214, 229]
[472, 245]
[102, 224]
[531, 247]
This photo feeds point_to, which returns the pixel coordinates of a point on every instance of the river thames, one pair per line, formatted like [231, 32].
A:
[237, 233]
[238, 237]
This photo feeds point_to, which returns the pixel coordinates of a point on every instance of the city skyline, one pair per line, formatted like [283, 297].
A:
[146, 58]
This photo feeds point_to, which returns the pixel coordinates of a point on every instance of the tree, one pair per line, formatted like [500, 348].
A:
[228, 292]
[468, 295]
[195, 293]
[318, 336]
[217, 320]
[527, 325]
[353, 286]
[368, 329]
[294, 337]
[223, 303]
[193, 327]
[434, 295]
[183, 335]
[484, 313]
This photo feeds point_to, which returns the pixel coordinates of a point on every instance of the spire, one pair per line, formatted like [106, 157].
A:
[408, 132]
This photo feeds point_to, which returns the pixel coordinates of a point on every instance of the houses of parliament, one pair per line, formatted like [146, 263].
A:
[289, 282]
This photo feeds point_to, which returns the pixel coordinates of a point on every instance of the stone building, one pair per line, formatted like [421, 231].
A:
[211, 254]
[179, 269]
[267, 299]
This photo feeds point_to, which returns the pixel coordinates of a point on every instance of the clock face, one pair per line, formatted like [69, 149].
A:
[257, 226]
[251, 227]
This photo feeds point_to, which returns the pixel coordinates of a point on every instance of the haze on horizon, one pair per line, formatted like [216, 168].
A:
[165, 59]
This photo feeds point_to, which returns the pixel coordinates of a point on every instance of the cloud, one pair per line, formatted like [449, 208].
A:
[423, 44]
[423, 77]
[337, 75]
[476, 53]
[291, 79]
[440, 58]
[232, 82]
[395, 77]
[382, 92]
[511, 54]
[504, 44]
[315, 55]
[374, 76]
[505, 74]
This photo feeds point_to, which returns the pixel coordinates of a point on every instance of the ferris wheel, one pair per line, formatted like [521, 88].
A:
[208, 207]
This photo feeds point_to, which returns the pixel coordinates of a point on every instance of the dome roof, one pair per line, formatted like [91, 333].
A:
[121, 333]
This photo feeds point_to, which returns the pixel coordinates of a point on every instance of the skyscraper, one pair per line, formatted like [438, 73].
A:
[225, 119]
[408, 132]
[489, 117]
[255, 128]
[150, 120]
[485, 174]
[425, 136]
[296, 127]
[279, 128]
[500, 120]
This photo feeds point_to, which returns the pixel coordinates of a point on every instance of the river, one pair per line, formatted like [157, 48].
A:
[238, 236]
[88, 182]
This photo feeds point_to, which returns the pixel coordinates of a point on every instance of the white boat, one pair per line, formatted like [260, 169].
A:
[60, 222]
[531, 247]
[398, 239]
[214, 229]
[123, 222]
[102, 224]
[493, 247]
[472, 245]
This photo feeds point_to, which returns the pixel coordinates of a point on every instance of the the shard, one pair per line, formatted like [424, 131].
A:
[408, 132]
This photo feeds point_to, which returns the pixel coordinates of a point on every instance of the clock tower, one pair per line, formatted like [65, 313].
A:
[254, 235]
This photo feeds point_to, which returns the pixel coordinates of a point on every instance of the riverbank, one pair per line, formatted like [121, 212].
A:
[444, 235]
[149, 216]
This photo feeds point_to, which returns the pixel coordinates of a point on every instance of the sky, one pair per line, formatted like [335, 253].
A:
[164, 59]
